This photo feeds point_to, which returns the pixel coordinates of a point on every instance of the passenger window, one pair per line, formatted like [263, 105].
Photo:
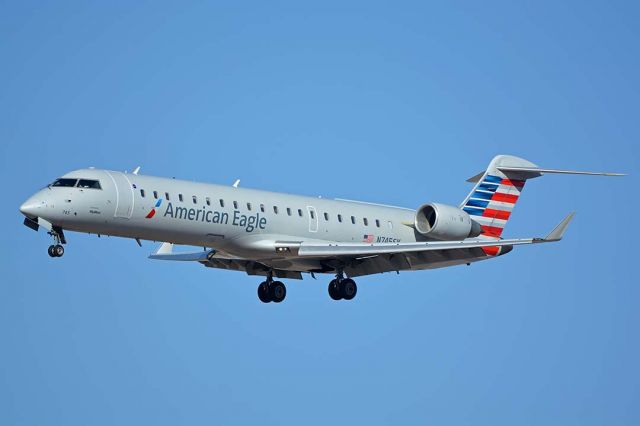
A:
[155, 194]
[235, 205]
[180, 197]
[289, 211]
[326, 216]
[166, 195]
[300, 212]
[312, 213]
[366, 221]
[353, 220]
[275, 209]
[65, 182]
[142, 193]
[249, 206]
[208, 201]
[89, 183]
[195, 200]
[340, 218]
[221, 202]
[377, 223]
[262, 208]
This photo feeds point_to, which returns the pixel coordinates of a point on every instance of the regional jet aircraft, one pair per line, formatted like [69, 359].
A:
[277, 235]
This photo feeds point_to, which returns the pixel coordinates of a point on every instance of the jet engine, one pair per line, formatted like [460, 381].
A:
[443, 222]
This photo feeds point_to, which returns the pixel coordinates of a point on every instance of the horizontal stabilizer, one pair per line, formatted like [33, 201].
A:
[476, 178]
[531, 172]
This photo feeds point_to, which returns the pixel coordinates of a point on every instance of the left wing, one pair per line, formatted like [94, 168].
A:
[361, 258]
[364, 249]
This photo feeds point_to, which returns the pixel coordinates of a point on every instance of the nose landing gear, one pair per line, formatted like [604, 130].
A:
[57, 250]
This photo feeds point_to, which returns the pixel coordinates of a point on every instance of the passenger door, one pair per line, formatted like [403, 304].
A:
[124, 195]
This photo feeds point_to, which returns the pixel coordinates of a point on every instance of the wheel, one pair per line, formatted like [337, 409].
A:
[277, 291]
[51, 252]
[349, 289]
[334, 290]
[263, 292]
[58, 250]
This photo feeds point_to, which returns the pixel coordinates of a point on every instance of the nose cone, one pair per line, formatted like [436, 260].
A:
[32, 206]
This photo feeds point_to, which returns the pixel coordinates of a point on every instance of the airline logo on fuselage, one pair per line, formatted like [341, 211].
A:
[248, 222]
[152, 212]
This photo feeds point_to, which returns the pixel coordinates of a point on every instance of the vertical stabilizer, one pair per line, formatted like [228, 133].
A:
[494, 196]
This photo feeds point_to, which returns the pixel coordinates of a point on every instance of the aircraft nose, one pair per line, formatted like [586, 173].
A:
[32, 207]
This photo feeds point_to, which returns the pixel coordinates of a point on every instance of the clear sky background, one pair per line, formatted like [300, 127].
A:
[389, 102]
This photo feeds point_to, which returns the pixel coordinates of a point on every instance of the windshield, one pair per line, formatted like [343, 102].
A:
[65, 182]
[89, 183]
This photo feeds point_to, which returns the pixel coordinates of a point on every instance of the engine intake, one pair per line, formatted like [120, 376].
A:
[443, 222]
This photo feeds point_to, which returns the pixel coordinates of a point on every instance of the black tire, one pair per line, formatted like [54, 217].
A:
[334, 290]
[58, 250]
[263, 292]
[277, 291]
[348, 289]
[50, 251]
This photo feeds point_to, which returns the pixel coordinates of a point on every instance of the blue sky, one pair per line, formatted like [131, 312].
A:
[379, 101]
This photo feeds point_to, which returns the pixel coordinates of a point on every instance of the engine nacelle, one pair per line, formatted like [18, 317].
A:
[443, 222]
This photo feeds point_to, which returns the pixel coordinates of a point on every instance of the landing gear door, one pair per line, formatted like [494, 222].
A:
[313, 219]
[124, 194]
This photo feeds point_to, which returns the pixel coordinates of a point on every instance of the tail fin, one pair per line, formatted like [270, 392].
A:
[495, 194]
[497, 190]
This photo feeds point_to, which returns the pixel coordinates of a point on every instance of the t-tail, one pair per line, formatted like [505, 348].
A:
[498, 189]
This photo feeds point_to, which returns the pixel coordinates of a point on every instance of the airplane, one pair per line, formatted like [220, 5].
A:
[277, 235]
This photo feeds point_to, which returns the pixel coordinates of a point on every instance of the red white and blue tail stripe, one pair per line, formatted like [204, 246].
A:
[492, 200]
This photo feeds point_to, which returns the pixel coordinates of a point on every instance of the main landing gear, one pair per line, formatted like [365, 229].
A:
[57, 250]
[271, 291]
[342, 288]
[275, 291]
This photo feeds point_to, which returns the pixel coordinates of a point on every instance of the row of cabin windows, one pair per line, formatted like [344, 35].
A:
[263, 209]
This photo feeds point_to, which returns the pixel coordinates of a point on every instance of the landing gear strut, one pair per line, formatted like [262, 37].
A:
[342, 288]
[271, 291]
[56, 250]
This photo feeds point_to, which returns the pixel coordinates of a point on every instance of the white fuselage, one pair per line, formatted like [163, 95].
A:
[242, 222]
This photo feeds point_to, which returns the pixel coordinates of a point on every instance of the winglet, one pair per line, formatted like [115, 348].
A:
[136, 170]
[559, 230]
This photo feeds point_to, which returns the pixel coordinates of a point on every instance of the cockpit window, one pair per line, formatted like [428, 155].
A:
[65, 182]
[89, 183]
